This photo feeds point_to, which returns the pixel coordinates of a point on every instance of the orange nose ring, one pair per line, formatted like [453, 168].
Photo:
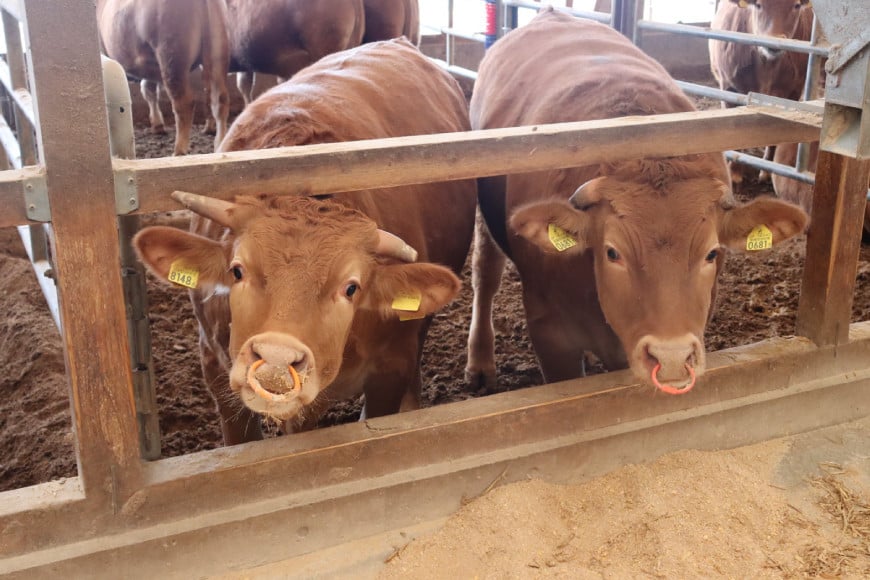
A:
[668, 388]
[258, 389]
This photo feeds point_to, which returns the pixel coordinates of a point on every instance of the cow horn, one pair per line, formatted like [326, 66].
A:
[586, 195]
[394, 246]
[212, 208]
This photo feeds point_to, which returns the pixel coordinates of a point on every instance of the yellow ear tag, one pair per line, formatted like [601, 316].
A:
[560, 239]
[183, 275]
[759, 238]
[743, 3]
[410, 303]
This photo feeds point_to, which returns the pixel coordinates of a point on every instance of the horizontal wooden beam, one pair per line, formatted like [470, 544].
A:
[351, 166]
[292, 495]
[329, 168]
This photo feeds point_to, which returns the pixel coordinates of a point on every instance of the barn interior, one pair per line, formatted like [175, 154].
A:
[113, 462]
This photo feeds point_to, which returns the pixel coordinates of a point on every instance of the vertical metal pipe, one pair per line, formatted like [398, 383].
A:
[812, 79]
[491, 28]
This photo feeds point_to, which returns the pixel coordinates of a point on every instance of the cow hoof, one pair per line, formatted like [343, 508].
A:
[481, 380]
[158, 130]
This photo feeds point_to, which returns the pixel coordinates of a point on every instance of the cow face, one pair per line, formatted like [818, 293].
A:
[657, 252]
[298, 271]
[777, 18]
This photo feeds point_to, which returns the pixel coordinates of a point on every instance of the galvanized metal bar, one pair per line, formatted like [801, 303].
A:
[21, 97]
[13, 8]
[456, 70]
[712, 93]
[737, 37]
[589, 15]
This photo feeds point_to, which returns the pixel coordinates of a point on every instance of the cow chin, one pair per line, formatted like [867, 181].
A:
[670, 361]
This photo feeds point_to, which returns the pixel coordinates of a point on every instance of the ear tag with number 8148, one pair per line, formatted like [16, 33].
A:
[183, 275]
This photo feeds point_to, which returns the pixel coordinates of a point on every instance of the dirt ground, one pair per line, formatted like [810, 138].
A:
[758, 299]
[797, 507]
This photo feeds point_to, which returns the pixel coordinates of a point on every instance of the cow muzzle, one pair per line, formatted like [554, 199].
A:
[274, 375]
[671, 365]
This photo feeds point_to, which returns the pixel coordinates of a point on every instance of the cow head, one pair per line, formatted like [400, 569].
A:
[298, 271]
[777, 18]
[657, 243]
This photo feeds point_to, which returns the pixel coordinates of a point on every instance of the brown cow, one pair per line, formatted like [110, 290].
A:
[386, 19]
[796, 191]
[159, 42]
[281, 37]
[745, 68]
[642, 240]
[309, 284]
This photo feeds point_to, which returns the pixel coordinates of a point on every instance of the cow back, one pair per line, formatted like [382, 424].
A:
[379, 90]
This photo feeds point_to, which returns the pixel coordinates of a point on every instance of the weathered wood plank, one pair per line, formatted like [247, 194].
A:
[273, 499]
[328, 168]
[73, 137]
[833, 245]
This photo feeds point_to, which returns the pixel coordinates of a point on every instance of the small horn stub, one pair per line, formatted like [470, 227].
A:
[212, 208]
[394, 246]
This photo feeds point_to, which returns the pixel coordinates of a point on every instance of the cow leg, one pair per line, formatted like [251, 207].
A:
[176, 79]
[219, 101]
[151, 94]
[769, 152]
[487, 267]
[245, 83]
[560, 357]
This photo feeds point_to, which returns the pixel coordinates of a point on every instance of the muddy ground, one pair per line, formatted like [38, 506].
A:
[758, 299]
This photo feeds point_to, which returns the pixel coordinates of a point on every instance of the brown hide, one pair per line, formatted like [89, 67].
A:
[280, 37]
[802, 193]
[745, 68]
[638, 286]
[386, 19]
[385, 89]
[160, 41]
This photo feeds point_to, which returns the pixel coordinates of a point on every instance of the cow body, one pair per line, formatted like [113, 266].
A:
[281, 37]
[745, 68]
[638, 284]
[310, 281]
[386, 19]
[160, 42]
[802, 193]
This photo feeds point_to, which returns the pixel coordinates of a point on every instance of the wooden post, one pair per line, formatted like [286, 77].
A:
[67, 86]
[833, 243]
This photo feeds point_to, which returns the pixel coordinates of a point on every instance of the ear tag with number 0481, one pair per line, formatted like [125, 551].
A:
[183, 275]
[760, 238]
[560, 239]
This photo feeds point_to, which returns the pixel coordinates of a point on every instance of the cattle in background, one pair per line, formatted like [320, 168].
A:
[744, 68]
[620, 259]
[386, 19]
[159, 42]
[802, 193]
[313, 284]
[281, 37]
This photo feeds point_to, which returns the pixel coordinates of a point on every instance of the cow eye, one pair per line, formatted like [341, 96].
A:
[612, 254]
[237, 272]
[351, 289]
[711, 257]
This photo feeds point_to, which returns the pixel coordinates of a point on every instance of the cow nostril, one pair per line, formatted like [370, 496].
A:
[649, 359]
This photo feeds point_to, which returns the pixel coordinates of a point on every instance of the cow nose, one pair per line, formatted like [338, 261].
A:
[673, 356]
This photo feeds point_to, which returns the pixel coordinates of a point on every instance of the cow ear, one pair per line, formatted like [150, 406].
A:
[762, 222]
[182, 258]
[554, 226]
[409, 291]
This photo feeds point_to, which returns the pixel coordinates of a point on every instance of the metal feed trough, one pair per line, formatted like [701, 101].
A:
[304, 498]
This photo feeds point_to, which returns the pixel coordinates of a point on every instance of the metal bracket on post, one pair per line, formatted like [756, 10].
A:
[36, 199]
[126, 192]
[846, 130]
